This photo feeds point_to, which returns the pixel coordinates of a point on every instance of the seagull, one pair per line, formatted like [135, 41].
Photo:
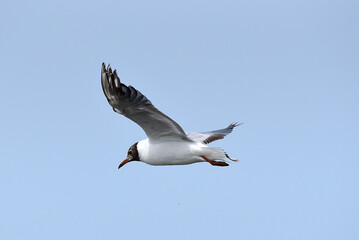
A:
[166, 143]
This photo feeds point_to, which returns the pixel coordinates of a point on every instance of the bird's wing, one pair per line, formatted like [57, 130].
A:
[131, 103]
[207, 137]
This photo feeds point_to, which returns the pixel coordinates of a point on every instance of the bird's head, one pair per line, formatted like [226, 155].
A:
[132, 155]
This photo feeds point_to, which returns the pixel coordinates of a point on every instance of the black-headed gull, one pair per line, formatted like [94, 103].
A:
[167, 143]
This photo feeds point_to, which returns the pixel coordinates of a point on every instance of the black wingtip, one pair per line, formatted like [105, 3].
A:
[233, 125]
[103, 68]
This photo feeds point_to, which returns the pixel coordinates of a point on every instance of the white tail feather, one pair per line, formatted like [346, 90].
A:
[214, 153]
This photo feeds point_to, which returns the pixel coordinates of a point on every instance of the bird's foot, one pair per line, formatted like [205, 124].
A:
[215, 163]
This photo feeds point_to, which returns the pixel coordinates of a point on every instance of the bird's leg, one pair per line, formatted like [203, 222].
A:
[234, 160]
[215, 163]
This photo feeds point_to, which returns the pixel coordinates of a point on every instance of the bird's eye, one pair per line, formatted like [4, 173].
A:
[130, 152]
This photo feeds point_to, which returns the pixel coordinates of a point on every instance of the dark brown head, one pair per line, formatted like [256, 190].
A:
[132, 155]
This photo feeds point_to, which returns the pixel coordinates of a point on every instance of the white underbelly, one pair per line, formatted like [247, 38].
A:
[169, 153]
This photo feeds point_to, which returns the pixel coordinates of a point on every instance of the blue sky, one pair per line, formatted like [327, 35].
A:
[287, 69]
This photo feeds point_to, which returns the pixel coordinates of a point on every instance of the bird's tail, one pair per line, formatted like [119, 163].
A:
[217, 154]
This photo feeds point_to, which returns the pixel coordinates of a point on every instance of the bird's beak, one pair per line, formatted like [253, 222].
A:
[124, 162]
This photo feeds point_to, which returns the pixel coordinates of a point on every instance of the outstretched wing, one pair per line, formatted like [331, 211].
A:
[131, 103]
[207, 137]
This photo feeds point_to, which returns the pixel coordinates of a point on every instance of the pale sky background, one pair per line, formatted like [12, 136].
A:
[288, 69]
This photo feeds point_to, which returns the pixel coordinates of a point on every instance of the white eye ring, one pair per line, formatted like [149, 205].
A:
[130, 152]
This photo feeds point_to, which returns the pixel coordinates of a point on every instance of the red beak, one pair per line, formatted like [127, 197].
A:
[123, 163]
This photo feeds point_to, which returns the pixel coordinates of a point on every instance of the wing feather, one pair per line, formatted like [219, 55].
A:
[131, 103]
[207, 137]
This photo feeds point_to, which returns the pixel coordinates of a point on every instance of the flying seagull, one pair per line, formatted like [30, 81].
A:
[167, 143]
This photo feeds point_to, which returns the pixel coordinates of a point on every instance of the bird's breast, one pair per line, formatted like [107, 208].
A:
[169, 152]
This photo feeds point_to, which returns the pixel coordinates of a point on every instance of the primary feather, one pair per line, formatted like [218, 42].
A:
[131, 103]
[207, 137]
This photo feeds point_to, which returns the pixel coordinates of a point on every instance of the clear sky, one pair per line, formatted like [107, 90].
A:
[288, 69]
